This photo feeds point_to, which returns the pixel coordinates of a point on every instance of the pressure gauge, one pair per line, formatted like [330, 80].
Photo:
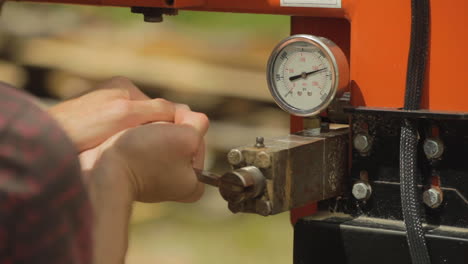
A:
[305, 73]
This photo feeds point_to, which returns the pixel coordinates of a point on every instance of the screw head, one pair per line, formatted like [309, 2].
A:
[433, 148]
[361, 142]
[235, 157]
[262, 160]
[362, 191]
[263, 207]
[259, 142]
[432, 197]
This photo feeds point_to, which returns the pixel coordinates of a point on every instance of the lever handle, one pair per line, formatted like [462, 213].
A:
[207, 177]
[237, 185]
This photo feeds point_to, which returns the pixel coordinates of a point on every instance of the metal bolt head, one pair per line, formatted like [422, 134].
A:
[361, 142]
[242, 184]
[236, 207]
[433, 148]
[232, 187]
[235, 157]
[361, 191]
[259, 142]
[263, 207]
[433, 197]
[262, 160]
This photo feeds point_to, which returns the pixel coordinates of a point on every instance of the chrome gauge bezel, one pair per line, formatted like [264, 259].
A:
[339, 70]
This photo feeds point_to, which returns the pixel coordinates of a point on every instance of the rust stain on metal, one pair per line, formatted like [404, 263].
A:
[288, 182]
[303, 169]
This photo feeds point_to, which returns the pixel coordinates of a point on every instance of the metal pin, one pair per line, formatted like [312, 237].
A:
[259, 142]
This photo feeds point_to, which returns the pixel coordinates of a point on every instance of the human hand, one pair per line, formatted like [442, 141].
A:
[149, 163]
[152, 162]
[116, 105]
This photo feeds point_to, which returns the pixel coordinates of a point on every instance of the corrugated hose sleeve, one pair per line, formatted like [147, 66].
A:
[410, 194]
[417, 57]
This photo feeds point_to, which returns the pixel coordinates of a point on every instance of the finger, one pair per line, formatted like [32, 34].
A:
[180, 111]
[199, 158]
[198, 162]
[136, 94]
[199, 121]
[182, 107]
[146, 111]
[126, 86]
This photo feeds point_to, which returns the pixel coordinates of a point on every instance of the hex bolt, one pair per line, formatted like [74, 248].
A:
[361, 142]
[154, 14]
[433, 148]
[259, 142]
[362, 191]
[235, 157]
[262, 160]
[432, 197]
[235, 207]
[263, 207]
[242, 184]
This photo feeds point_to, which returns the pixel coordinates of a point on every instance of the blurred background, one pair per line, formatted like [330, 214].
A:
[211, 61]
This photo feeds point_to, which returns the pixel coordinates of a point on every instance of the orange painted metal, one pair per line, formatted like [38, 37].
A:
[378, 43]
[337, 30]
[375, 36]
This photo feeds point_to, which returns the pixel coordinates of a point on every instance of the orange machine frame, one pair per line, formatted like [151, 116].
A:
[378, 43]
[375, 36]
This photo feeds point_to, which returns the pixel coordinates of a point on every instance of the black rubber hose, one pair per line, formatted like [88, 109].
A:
[417, 54]
[410, 194]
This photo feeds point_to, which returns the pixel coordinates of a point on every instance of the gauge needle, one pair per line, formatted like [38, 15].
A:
[304, 74]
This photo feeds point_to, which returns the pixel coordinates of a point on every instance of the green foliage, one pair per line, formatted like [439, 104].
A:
[228, 21]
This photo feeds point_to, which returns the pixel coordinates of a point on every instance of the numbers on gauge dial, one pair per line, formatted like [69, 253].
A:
[303, 76]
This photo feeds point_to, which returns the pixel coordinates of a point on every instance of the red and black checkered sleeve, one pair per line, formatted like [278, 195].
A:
[44, 209]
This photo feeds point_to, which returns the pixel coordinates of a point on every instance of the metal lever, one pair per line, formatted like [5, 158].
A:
[207, 177]
[235, 186]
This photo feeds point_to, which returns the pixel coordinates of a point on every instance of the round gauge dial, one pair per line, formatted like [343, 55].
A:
[305, 73]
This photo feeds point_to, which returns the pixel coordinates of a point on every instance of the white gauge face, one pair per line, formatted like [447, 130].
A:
[302, 75]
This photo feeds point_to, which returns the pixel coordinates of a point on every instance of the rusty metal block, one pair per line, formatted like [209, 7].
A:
[298, 168]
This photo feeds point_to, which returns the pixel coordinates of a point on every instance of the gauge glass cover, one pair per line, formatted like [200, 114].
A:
[302, 74]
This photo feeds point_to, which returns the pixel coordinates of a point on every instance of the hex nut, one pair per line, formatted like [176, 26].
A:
[362, 191]
[262, 160]
[361, 142]
[235, 157]
[433, 148]
[263, 207]
[235, 207]
[432, 197]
